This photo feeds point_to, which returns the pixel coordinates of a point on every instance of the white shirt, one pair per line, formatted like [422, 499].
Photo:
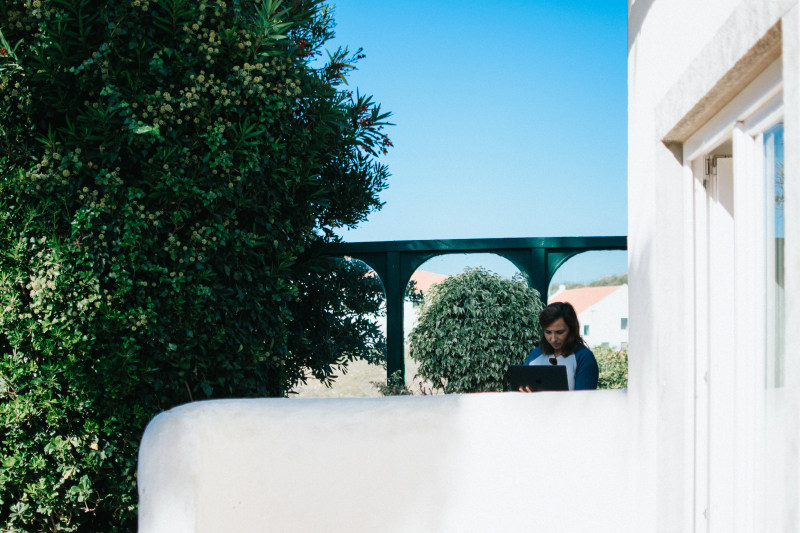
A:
[569, 361]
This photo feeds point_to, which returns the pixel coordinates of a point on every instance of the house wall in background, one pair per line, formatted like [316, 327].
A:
[602, 313]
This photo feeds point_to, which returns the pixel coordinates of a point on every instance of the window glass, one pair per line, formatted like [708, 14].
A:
[773, 174]
[623, 323]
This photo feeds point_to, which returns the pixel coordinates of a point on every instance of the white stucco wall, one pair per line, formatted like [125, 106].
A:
[705, 420]
[481, 462]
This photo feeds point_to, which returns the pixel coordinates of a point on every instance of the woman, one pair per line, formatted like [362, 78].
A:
[562, 345]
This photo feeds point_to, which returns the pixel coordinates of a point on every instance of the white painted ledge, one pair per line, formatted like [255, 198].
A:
[477, 462]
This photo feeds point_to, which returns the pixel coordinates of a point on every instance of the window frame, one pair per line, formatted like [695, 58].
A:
[733, 493]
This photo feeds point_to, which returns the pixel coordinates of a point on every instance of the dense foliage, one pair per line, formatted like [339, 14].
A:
[168, 171]
[613, 367]
[395, 385]
[471, 327]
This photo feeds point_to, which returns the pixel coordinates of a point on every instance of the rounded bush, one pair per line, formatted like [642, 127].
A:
[471, 327]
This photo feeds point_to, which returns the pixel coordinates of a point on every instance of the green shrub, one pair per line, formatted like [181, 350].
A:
[168, 172]
[613, 367]
[471, 327]
[395, 385]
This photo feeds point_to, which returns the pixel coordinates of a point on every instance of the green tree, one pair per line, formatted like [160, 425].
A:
[471, 327]
[168, 172]
[613, 367]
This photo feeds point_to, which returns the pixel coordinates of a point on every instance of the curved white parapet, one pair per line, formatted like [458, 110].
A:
[479, 462]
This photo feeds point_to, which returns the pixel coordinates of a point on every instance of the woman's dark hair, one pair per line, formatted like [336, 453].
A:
[553, 312]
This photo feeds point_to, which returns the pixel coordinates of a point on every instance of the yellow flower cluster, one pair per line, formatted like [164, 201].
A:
[193, 251]
[46, 301]
[17, 96]
[144, 5]
[42, 281]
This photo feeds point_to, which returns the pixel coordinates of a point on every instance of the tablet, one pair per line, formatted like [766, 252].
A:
[537, 377]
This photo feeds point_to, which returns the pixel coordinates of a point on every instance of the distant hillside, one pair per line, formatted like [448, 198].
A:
[614, 279]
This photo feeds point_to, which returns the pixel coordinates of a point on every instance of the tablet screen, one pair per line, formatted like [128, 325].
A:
[537, 377]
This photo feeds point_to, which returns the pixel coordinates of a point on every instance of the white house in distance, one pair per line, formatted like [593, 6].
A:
[706, 438]
[602, 313]
[424, 281]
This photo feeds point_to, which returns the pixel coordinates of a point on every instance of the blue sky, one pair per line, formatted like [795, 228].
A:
[510, 121]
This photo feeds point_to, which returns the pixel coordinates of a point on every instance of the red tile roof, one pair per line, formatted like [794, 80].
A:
[584, 297]
[425, 279]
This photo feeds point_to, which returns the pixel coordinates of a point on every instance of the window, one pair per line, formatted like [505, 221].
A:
[773, 177]
[736, 162]
[623, 323]
[586, 329]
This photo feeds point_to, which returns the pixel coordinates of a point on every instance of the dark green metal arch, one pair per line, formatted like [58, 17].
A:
[396, 261]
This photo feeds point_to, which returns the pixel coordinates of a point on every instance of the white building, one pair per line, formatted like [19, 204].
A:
[707, 436]
[712, 87]
[602, 313]
[424, 280]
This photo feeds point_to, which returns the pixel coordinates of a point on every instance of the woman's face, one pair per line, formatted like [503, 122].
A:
[556, 334]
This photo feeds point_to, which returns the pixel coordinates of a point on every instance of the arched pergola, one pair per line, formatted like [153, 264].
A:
[396, 261]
